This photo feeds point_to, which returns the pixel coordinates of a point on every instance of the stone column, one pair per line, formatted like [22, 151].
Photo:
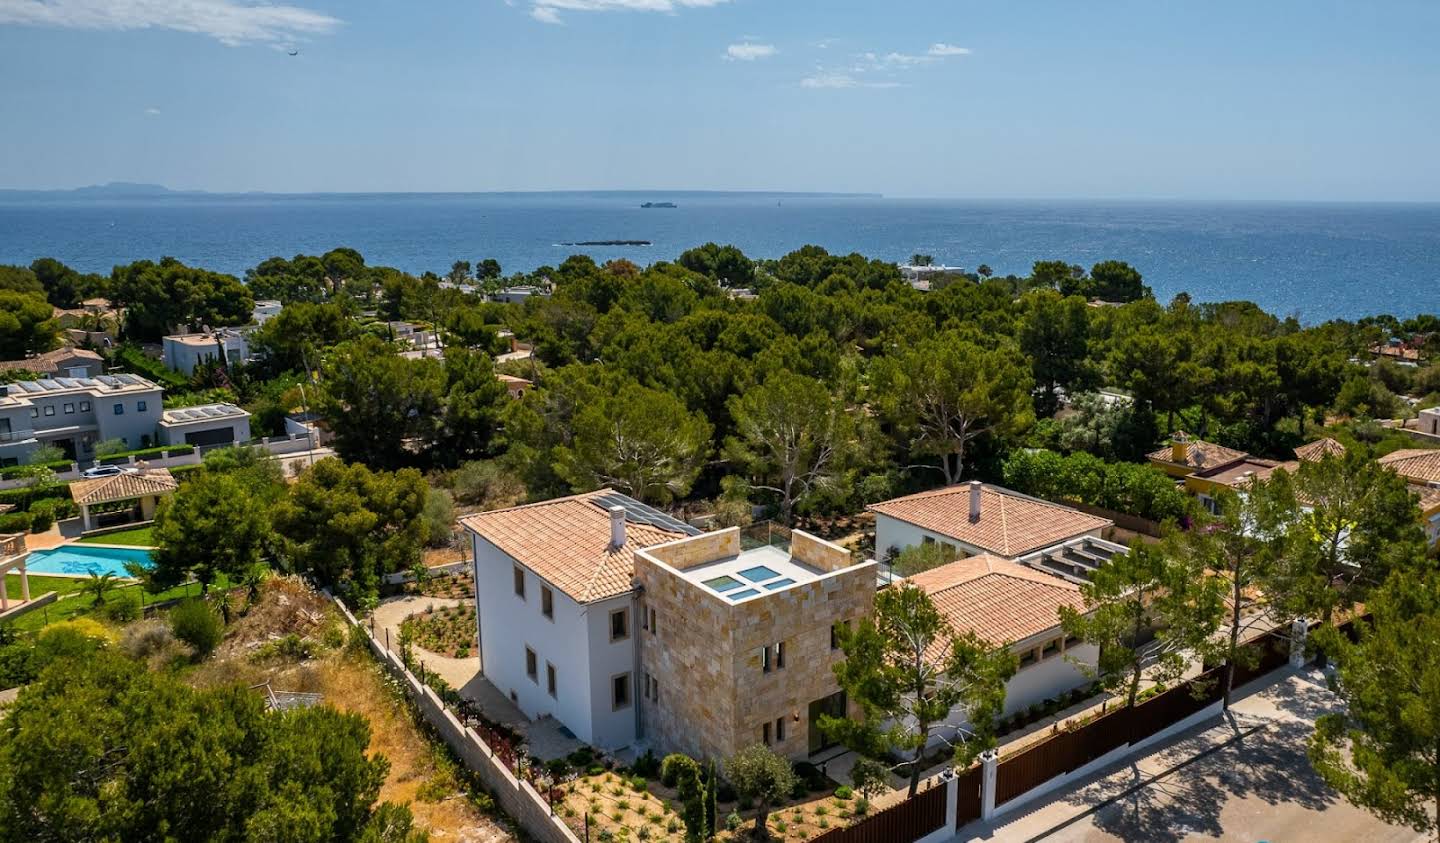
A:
[1299, 631]
[989, 764]
[952, 797]
[24, 583]
[85, 517]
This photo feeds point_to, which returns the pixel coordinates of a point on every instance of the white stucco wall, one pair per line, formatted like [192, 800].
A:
[509, 624]
[894, 533]
[1050, 677]
[612, 729]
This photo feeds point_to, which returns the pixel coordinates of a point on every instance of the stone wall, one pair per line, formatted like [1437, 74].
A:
[697, 550]
[706, 657]
[818, 553]
[515, 796]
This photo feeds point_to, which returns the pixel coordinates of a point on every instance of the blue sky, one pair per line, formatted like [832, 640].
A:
[1278, 99]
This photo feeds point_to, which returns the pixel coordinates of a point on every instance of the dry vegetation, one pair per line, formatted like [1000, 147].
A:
[448, 632]
[653, 813]
[459, 586]
[294, 640]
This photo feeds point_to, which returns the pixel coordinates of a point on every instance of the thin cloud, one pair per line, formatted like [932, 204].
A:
[940, 49]
[549, 11]
[152, 111]
[746, 51]
[231, 22]
[840, 81]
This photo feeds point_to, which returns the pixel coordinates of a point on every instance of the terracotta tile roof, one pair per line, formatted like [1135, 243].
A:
[1001, 601]
[123, 487]
[50, 361]
[566, 542]
[1420, 465]
[1429, 497]
[1199, 454]
[1010, 524]
[1319, 449]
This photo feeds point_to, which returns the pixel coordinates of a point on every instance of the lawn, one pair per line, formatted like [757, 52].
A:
[138, 537]
[72, 603]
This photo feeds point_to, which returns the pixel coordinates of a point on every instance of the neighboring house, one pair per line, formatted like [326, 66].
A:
[1207, 468]
[978, 518]
[1421, 468]
[628, 626]
[516, 295]
[75, 413]
[513, 385]
[265, 310]
[923, 277]
[556, 606]
[1007, 603]
[1429, 421]
[207, 425]
[184, 352]
[738, 640]
[1398, 350]
[60, 363]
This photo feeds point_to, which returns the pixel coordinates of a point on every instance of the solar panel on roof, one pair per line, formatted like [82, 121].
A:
[642, 514]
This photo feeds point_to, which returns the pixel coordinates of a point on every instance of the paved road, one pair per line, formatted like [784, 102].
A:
[1254, 785]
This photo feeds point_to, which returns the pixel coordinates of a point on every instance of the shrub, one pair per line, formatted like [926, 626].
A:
[42, 515]
[862, 806]
[844, 792]
[647, 766]
[16, 522]
[195, 623]
[672, 766]
[124, 608]
[637, 784]
[732, 822]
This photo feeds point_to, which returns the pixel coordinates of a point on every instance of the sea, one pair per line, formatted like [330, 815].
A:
[1314, 261]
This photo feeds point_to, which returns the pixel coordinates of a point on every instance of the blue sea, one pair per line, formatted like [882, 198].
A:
[1313, 261]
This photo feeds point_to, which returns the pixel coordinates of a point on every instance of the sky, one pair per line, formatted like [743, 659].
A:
[1281, 99]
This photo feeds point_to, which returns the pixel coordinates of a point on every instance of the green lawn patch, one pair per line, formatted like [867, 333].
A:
[73, 604]
[138, 537]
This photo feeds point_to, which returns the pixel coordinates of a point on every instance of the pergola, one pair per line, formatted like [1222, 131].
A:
[13, 554]
[147, 487]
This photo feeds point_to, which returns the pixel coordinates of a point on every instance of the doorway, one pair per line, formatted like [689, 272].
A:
[834, 706]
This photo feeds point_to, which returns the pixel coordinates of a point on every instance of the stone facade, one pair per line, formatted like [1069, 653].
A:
[705, 655]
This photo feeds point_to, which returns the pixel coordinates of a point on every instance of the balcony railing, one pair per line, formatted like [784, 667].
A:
[8, 436]
[12, 544]
[765, 534]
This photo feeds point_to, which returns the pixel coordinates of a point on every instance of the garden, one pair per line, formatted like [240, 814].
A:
[449, 632]
[650, 801]
[459, 585]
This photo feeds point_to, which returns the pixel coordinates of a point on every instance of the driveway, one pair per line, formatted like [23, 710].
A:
[1245, 778]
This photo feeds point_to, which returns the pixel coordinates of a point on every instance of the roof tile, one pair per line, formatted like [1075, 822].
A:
[1010, 524]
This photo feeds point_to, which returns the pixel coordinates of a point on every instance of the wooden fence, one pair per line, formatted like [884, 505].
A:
[908, 820]
[967, 795]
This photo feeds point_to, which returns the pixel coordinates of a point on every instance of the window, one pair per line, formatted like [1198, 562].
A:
[119, 409]
[835, 633]
[644, 617]
[84, 406]
[49, 409]
[69, 408]
[654, 623]
[550, 678]
[765, 734]
[779, 655]
[139, 406]
[949, 552]
[547, 602]
[520, 582]
[1071, 641]
[765, 659]
[1051, 648]
[1027, 658]
[530, 665]
[655, 690]
[779, 730]
[772, 657]
[620, 691]
[34, 412]
[619, 624]
[927, 540]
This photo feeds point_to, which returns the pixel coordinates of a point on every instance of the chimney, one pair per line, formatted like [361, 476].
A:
[975, 486]
[617, 527]
[1180, 448]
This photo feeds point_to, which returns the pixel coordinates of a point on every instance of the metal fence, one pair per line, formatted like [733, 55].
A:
[908, 820]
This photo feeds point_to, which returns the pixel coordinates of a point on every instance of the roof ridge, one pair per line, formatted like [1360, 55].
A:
[578, 496]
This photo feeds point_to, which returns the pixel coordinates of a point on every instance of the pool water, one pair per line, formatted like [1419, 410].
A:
[80, 560]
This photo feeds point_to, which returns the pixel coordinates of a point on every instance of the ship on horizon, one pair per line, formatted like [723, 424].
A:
[659, 205]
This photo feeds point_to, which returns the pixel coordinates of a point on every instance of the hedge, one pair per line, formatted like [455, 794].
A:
[153, 369]
[142, 453]
[1122, 486]
[27, 495]
[19, 470]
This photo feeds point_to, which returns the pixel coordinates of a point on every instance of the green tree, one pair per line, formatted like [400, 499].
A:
[690, 790]
[63, 286]
[197, 624]
[792, 435]
[1381, 750]
[19, 279]
[474, 400]
[300, 332]
[946, 391]
[459, 272]
[763, 777]
[487, 269]
[908, 670]
[1054, 333]
[726, 264]
[211, 525]
[1136, 593]
[302, 279]
[160, 297]
[348, 526]
[27, 324]
[1351, 522]
[100, 748]
[1117, 281]
[99, 585]
[377, 401]
[638, 440]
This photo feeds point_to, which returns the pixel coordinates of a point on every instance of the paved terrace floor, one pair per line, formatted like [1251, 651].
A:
[543, 737]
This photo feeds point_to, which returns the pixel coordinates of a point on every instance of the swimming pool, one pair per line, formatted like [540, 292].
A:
[83, 559]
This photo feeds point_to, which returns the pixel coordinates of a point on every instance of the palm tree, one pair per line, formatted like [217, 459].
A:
[99, 585]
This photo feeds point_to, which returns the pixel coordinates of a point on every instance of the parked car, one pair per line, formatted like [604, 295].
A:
[105, 471]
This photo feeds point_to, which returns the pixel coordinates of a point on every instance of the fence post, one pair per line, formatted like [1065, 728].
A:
[989, 765]
[1299, 630]
[952, 797]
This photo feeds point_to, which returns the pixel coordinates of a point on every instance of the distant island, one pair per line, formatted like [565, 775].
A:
[608, 243]
[659, 205]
